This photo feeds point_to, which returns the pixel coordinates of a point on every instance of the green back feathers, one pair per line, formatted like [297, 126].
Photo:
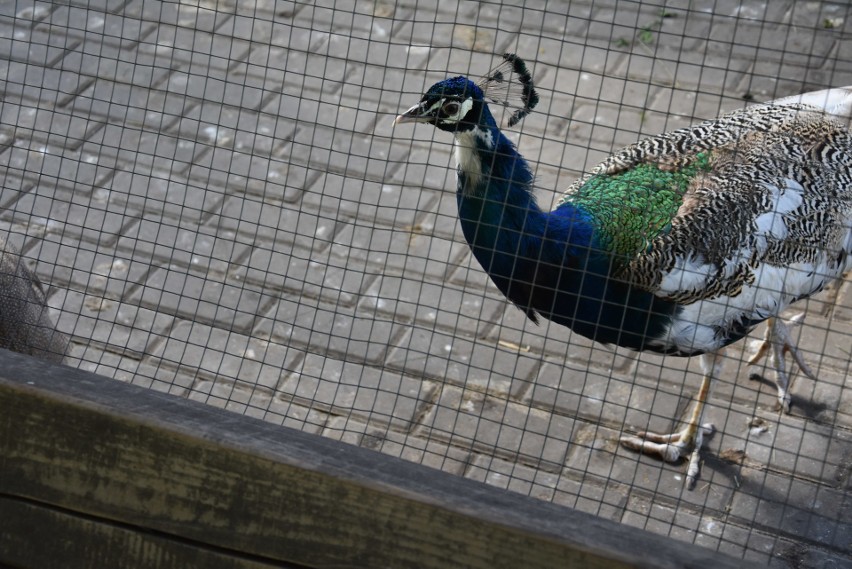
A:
[631, 208]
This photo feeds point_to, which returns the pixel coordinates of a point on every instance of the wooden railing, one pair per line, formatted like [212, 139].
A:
[96, 473]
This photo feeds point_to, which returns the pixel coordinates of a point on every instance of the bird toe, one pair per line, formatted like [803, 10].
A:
[784, 402]
[666, 447]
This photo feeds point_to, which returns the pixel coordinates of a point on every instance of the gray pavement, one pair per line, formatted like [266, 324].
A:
[220, 208]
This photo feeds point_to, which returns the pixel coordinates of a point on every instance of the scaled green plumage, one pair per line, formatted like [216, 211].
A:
[631, 208]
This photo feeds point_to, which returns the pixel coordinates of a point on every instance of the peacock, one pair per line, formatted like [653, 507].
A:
[678, 244]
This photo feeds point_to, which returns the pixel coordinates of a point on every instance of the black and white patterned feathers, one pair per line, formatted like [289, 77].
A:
[767, 221]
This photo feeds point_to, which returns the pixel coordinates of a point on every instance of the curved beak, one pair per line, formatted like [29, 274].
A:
[417, 113]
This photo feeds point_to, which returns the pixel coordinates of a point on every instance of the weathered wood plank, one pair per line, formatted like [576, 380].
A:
[38, 536]
[86, 444]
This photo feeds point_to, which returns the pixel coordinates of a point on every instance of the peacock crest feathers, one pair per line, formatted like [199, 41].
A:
[510, 85]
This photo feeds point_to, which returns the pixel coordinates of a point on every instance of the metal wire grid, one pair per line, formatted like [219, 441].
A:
[214, 198]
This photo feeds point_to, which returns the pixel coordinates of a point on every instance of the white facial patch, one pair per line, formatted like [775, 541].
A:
[464, 108]
[434, 107]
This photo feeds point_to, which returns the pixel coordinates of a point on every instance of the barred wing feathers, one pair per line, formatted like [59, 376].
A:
[766, 221]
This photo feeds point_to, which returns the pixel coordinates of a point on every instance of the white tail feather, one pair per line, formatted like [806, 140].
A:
[836, 102]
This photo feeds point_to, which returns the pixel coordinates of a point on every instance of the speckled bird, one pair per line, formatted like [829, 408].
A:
[679, 244]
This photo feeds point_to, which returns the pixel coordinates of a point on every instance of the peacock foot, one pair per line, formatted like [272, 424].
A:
[777, 342]
[674, 447]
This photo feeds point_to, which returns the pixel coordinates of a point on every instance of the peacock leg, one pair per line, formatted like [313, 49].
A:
[777, 342]
[689, 440]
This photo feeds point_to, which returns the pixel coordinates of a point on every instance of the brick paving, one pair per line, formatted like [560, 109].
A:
[216, 199]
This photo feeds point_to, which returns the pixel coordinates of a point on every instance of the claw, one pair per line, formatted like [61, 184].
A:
[674, 447]
[777, 342]
[694, 468]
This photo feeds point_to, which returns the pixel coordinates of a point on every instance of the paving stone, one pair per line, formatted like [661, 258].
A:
[411, 255]
[473, 419]
[431, 304]
[264, 222]
[149, 373]
[50, 160]
[600, 396]
[87, 23]
[156, 153]
[431, 453]
[31, 83]
[434, 354]
[326, 328]
[347, 429]
[80, 220]
[467, 272]
[308, 268]
[125, 111]
[57, 256]
[235, 397]
[843, 304]
[292, 414]
[14, 187]
[430, 166]
[791, 552]
[151, 240]
[213, 353]
[590, 494]
[555, 342]
[784, 504]
[261, 364]
[248, 173]
[800, 447]
[705, 530]
[372, 395]
[35, 45]
[513, 476]
[184, 205]
[100, 5]
[746, 543]
[203, 298]
[371, 207]
[364, 106]
[656, 518]
[167, 13]
[226, 126]
[121, 328]
[336, 150]
[219, 208]
[93, 358]
[53, 128]
[94, 61]
[29, 11]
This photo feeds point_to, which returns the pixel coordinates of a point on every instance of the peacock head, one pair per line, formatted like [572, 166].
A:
[458, 104]
[454, 105]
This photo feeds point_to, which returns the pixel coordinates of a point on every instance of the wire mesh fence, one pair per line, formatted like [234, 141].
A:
[215, 204]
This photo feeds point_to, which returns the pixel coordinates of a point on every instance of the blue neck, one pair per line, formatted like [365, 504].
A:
[547, 263]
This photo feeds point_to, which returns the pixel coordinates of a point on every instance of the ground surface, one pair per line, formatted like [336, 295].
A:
[221, 210]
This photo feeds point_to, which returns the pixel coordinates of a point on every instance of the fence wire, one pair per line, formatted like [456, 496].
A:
[210, 199]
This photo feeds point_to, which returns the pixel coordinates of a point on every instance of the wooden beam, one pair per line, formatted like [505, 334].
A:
[74, 540]
[110, 465]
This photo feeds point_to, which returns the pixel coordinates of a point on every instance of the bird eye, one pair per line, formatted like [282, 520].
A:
[451, 109]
